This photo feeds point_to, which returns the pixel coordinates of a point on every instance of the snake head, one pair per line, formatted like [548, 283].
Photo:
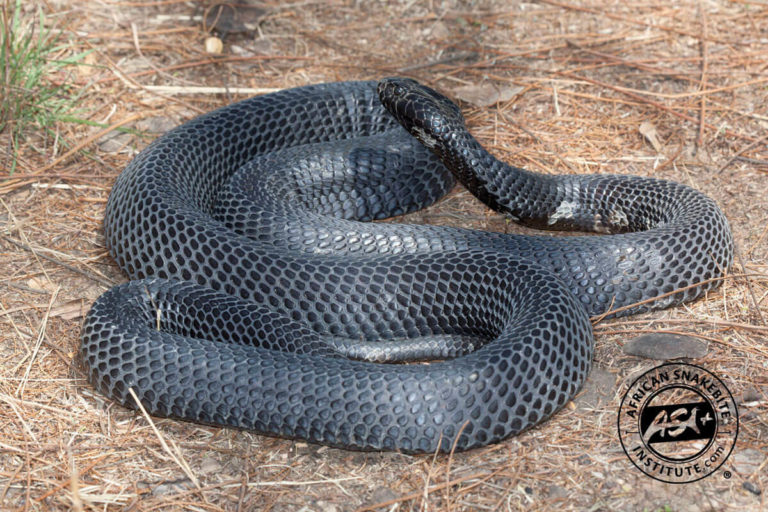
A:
[425, 113]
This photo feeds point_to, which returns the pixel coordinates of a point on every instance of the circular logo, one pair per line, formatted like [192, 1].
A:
[678, 423]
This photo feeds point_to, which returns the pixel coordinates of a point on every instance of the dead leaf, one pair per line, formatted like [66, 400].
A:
[70, 310]
[486, 94]
[114, 142]
[41, 284]
[648, 130]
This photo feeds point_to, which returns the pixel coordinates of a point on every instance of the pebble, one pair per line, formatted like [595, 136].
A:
[213, 45]
[556, 491]
[752, 488]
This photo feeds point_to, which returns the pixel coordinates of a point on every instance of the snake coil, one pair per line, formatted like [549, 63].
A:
[261, 301]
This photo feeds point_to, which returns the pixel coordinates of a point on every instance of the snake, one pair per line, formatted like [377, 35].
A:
[265, 295]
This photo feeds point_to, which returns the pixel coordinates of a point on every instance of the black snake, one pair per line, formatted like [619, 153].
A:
[262, 301]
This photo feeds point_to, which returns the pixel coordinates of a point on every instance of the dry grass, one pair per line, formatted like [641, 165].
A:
[585, 77]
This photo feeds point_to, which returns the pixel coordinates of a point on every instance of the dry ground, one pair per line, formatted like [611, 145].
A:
[671, 89]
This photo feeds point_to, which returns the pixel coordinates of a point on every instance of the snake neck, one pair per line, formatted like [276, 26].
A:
[502, 187]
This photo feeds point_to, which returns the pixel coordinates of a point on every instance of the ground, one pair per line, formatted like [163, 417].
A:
[677, 90]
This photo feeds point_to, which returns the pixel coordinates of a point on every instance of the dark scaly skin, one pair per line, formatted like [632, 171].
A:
[260, 286]
[670, 235]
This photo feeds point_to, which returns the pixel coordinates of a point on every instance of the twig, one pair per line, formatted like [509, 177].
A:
[418, 494]
[753, 161]
[196, 63]
[759, 240]
[445, 60]
[175, 454]
[655, 104]
[18, 226]
[704, 68]
[759, 141]
[755, 303]
[710, 321]
[93, 277]
[193, 89]
[630, 21]
[74, 487]
[38, 343]
[133, 84]
[602, 316]
[615, 59]
[86, 141]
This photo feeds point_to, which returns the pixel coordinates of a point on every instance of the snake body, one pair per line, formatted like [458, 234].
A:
[261, 301]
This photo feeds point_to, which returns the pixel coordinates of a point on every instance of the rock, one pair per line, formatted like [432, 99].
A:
[556, 491]
[238, 50]
[665, 346]
[213, 45]
[752, 395]
[232, 18]
[749, 486]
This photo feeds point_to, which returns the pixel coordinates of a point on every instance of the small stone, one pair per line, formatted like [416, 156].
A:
[663, 346]
[213, 45]
[238, 50]
[752, 488]
[556, 491]
[751, 395]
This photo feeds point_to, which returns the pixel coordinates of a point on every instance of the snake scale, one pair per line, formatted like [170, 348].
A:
[261, 300]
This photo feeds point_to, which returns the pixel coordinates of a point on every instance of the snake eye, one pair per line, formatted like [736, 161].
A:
[399, 90]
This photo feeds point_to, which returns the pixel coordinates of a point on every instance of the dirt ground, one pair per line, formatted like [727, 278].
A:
[677, 90]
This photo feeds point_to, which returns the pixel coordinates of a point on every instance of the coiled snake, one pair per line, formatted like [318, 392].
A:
[262, 301]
